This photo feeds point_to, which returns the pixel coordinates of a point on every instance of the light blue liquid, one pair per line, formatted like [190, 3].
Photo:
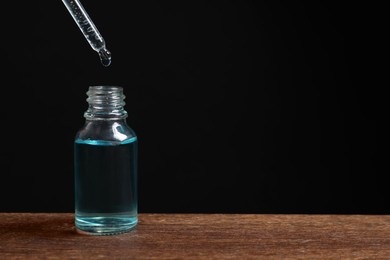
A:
[105, 186]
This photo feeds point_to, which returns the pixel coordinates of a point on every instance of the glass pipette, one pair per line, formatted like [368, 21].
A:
[89, 30]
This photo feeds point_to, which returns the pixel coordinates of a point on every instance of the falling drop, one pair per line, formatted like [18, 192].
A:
[105, 57]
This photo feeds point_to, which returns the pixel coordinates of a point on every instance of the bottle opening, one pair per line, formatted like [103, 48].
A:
[105, 102]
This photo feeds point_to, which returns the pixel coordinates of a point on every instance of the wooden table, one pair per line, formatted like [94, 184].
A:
[200, 236]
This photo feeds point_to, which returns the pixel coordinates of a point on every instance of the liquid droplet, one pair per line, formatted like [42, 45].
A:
[105, 57]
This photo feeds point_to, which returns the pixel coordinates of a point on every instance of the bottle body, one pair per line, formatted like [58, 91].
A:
[105, 161]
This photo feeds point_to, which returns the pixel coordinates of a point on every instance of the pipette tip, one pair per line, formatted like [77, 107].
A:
[105, 57]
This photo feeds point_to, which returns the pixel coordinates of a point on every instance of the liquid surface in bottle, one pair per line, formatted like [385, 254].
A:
[106, 186]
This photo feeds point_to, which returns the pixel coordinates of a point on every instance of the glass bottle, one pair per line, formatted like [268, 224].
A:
[105, 161]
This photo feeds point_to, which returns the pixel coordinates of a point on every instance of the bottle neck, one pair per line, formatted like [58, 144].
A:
[105, 103]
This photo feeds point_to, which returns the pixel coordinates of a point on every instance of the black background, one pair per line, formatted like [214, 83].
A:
[239, 107]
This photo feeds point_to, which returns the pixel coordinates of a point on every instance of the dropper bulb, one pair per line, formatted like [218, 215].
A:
[105, 57]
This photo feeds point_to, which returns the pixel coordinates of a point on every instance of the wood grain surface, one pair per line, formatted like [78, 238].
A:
[200, 236]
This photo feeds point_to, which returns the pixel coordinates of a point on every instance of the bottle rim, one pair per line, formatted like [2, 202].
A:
[105, 102]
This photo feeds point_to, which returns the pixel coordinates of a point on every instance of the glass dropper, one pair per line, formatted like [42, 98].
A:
[89, 30]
